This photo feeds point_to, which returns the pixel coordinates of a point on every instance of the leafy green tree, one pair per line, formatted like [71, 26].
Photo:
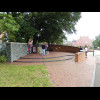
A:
[26, 30]
[9, 26]
[51, 25]
[39, 26]
[97, 41]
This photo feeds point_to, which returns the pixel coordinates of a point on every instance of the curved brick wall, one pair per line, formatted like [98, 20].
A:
[62, 48]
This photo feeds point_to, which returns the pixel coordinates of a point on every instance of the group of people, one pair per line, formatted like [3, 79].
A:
[31, 49]
[45, 50]
[86, 50]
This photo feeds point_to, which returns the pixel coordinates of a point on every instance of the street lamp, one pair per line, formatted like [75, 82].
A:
[93, 47]
[86, 43]
[38, 35]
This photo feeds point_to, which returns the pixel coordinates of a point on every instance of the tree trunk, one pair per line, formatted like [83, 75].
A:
[27, 38]
[34, 40]
[26, 41]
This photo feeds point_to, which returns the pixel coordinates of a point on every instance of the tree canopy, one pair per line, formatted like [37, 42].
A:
[97, 41]
[39, 26]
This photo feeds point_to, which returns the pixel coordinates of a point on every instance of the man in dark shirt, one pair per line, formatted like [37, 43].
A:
[81, 49]
[43, 49]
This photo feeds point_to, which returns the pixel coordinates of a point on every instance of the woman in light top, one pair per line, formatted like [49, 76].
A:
[86, 51]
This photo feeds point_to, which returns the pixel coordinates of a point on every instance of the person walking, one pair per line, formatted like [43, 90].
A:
[43, 49]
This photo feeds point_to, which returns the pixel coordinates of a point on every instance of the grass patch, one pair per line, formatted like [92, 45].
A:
[24, 76]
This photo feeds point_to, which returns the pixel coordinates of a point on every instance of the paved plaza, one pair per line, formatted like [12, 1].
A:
[71, 74]
[65, 72]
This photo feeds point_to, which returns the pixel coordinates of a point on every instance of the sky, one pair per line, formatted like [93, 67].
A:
[87, 25]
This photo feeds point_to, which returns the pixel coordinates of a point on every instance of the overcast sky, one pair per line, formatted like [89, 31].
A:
[88, 25]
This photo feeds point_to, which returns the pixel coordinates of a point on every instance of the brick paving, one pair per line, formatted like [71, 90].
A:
[67, 73]
[37, 58]
[71, 74]
[29, 56]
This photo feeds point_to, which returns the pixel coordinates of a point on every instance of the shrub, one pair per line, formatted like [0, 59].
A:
[3, 49]
[3, 59]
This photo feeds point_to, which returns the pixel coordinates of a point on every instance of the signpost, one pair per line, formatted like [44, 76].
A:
[93, 47]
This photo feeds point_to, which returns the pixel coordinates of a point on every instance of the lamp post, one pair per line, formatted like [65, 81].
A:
[86, 43]
[93, 47]
[38, 35]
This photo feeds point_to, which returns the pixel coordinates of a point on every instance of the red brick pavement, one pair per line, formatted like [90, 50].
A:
[71, 74]
[67, 73]
[47, 58]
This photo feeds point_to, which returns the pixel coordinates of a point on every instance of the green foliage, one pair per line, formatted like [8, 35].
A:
[3, 52]
[97, 41]
[3, 59]
[8, 23]
[9, 26]
[50, 26]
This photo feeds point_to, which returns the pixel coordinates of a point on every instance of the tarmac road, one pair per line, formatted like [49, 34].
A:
[97, 69]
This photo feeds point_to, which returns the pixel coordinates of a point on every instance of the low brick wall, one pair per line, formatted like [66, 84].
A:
[79, 56]
[62, 48]
[15, 50]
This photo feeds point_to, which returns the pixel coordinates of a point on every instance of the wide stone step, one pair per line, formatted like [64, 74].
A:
[42, 60]
[44, 57]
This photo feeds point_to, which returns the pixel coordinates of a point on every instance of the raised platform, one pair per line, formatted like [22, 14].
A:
[52, 57]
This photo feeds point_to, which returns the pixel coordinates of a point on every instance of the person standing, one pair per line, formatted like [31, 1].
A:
[81, 49]
[86, 51]
[43, 49]
[28, 48]
[46, 48]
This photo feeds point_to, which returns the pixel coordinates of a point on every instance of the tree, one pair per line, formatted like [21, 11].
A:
[97, 41]
[42, 26]
[9, 26]
[26, 30]
[51, 25]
